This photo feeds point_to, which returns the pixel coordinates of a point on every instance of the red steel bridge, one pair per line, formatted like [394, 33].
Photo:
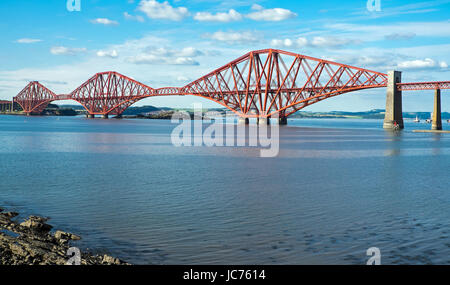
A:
[261, 84]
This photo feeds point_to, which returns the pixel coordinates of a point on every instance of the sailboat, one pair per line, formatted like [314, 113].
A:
[417, 119]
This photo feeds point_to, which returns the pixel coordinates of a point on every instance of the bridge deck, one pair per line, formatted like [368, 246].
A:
[423, 85]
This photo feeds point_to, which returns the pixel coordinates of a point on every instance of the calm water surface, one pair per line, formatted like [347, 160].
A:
[337, 188]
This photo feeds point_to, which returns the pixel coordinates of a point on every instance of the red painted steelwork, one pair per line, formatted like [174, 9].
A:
[265, 82]
[34, 97]
[110, 93]
[423, 85]
[259, 84]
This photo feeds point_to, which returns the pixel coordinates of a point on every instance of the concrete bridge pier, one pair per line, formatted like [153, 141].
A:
[437, 121]
[243, 121]
[105, 116]
[90, 116]
[393, 117]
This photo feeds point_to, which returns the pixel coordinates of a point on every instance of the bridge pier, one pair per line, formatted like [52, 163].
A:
[393, 117]
[282, 121]
[437, 120]
[90, 116]
[243, 121]
[105, 116]
[263, 121]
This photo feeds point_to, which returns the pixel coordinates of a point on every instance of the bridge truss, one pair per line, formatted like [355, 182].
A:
[259, 84]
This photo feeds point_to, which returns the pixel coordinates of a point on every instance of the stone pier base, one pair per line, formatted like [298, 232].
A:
[263, 121]
[243, 121]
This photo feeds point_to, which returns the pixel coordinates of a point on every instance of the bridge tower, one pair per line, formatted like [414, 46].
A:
[393, 115]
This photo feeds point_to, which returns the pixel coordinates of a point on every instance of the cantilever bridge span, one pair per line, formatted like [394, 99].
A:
[260, 84]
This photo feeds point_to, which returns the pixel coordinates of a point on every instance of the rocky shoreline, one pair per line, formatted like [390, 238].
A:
[31, 242]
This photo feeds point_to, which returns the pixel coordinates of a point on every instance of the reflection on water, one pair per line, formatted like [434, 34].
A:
[336, 189]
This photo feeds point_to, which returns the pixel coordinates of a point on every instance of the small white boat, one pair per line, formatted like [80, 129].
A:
[417, 120]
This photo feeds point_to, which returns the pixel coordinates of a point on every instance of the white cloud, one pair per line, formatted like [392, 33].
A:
[426, 63]
[400, 36]
[235, 37]
[164, 74]
[380, 62]
[275, 14]
[145, 59]
[156, 10]
[111, 54]
[232, 15]
[258, 14]
[183, 61]
[365, 60]
[154, 59]
[317, 42]
[133, 18]
[104, 21]
[414, 8]
[163, 51]
[288, 43]
[282, 43]
[190, 51]
[28, 41]
[257, 7]
[378, 32]
[182, 78]
[331, 42]
[61, 50]
[162, 55]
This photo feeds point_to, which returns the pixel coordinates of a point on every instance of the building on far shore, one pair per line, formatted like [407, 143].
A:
[5, 106]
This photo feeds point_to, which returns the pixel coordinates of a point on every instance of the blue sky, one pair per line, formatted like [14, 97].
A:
[170, 43]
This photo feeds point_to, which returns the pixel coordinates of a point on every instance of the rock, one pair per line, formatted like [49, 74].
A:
[63, 236]
[111, 260]
[9, 214]
[37, 223]
[32, 244]
[18, 249]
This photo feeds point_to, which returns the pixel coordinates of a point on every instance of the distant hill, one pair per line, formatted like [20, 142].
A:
[55, 110]
[140, 110]
[372, 114]
[129, 111]
[74, 107]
